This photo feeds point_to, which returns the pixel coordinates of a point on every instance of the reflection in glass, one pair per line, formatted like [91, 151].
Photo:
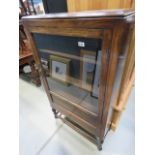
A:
[72, 72]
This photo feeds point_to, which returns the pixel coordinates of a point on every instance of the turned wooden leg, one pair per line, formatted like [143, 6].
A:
[101, 141]
[35, 74]
[55, 113]
[99, 144]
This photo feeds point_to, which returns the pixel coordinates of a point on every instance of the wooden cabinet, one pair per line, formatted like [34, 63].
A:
[77, 55]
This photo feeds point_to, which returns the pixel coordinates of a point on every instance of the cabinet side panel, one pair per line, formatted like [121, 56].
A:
[106, 44]
[113, 61]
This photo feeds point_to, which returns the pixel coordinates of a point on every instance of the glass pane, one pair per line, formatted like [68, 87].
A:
[72, 67]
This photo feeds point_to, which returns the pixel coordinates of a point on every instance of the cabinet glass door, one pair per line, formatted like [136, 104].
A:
[72, 66]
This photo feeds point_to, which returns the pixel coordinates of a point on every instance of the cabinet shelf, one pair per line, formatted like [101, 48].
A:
[74, 95]
[68, 56]
[75, 82]
[77, 105]
[72, 80]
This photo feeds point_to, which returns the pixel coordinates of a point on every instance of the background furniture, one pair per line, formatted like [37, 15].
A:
[26, 7]
[101, 35]
[25, 53]
[55, 6]
[26, 56]
[127, 82]
[82, 5]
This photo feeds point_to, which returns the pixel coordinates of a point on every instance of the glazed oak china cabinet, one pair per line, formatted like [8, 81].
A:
[77, 55]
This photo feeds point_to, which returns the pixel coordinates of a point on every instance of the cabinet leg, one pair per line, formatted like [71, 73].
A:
[99, 144]
[99, 147]
[55, 113]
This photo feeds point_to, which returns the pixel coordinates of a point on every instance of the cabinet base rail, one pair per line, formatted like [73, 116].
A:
[92, 138]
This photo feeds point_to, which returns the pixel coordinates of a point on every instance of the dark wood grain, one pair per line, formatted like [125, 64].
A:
[118, 32]
[26, 56]
[68, 32]
[98, 13]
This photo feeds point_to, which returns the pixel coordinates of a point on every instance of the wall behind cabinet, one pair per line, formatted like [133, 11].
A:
[81, 5]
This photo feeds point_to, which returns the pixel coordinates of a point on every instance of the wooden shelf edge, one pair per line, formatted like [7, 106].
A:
[74, 104]
[80, 130]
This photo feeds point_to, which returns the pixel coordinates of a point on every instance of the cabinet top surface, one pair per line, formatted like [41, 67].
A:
[84, 14]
